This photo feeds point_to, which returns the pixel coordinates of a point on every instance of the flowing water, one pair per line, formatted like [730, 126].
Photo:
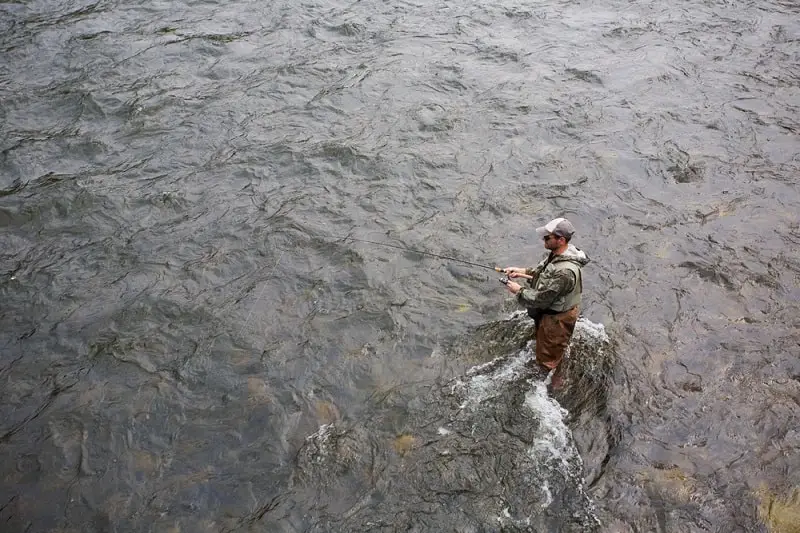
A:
[189, 343]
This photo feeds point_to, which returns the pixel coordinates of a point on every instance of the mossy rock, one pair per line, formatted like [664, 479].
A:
[779, 514]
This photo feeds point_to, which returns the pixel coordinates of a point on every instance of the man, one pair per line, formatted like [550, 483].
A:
[554, 295]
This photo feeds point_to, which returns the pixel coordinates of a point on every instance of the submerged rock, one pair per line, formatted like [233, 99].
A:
[488, 451]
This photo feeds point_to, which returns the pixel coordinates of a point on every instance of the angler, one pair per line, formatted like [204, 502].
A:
[553, 295]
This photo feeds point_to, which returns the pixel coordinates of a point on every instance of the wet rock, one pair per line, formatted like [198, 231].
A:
[488, 451]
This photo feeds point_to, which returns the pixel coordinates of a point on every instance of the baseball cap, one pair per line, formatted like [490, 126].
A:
[558, 226]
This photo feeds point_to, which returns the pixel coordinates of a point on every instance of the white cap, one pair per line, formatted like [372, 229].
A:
[558, 226]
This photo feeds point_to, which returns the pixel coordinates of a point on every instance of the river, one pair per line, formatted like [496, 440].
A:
[185, 324]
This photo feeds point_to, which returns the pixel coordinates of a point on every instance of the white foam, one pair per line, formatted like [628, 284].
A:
[554, 443]
[548, 496]
[482, 386]
[320, 438]
[590, 338]
[506, 519]
[322, 434]
[586, 329]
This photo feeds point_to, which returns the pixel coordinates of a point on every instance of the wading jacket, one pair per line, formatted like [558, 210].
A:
[556, 284]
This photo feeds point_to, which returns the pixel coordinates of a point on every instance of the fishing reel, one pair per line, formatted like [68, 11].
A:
[504, 281]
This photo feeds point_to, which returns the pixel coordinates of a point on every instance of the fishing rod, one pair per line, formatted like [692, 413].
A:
[438, 256]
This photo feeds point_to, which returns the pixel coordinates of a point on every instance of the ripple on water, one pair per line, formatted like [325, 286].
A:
[180, 310]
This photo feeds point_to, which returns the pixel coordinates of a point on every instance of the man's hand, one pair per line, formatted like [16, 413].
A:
[513, 287]
[516, 272]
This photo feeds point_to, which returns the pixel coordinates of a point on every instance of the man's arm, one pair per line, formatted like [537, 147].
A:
[526, 272]
[518, 272]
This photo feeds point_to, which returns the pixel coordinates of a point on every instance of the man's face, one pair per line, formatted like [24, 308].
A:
[553, 242]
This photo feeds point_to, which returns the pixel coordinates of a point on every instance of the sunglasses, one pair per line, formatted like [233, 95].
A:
[548, 237]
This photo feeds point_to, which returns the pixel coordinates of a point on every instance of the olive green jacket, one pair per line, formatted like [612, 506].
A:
[556, 284]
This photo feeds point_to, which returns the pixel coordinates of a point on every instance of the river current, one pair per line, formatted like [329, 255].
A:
[186, 332]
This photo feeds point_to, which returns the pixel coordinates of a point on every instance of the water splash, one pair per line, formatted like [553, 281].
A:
[484, 381]
[555, 443]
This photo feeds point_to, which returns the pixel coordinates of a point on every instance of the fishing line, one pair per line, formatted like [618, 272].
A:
[438, 256]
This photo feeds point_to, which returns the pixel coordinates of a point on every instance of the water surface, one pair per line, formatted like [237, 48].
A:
[180, 311]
